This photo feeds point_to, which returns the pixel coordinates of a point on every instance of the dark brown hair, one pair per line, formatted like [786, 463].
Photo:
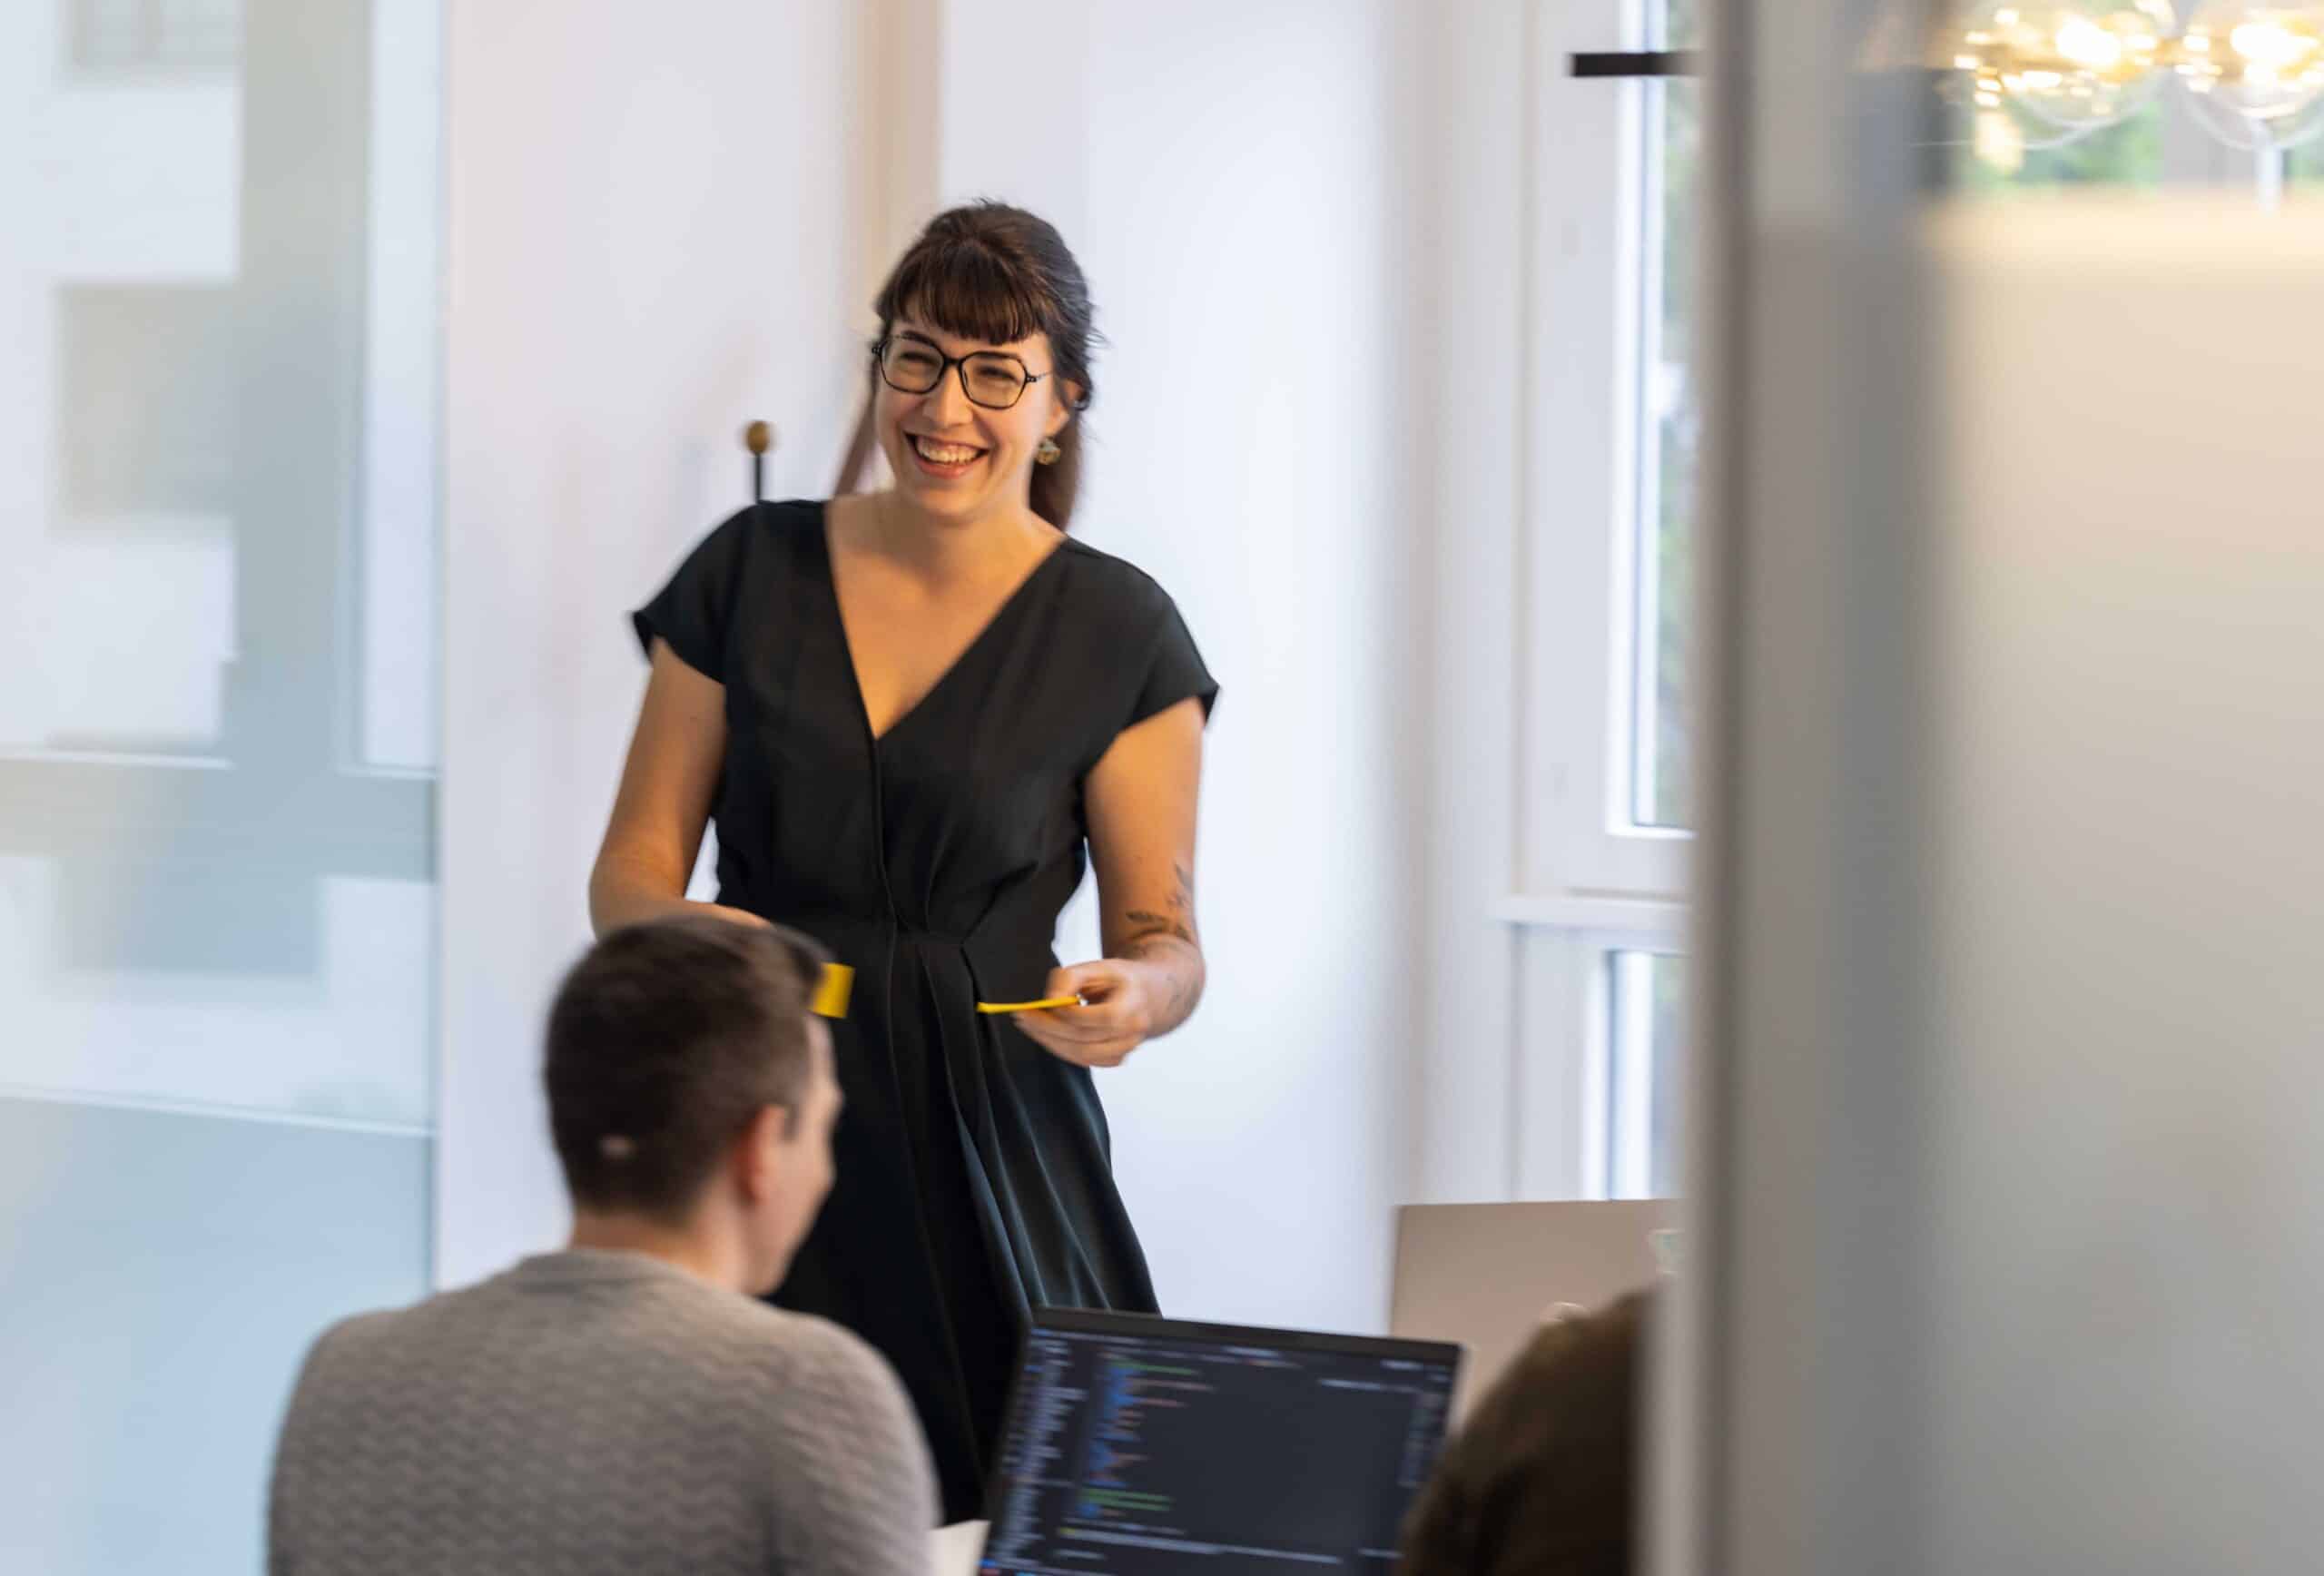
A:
[1543, 1477]
[665, 1040]
[989, 271]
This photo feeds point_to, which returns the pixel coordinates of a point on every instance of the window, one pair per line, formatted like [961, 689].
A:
[1641, 1048]
[1607, 778]
[1669, 426]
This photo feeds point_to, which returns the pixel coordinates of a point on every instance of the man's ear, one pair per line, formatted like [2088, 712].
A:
[758, 1148]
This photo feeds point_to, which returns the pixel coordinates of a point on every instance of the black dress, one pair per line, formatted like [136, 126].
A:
[974, 1171]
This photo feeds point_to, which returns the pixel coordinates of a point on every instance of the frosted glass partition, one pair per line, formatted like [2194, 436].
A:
[218, 364]
[2124, 1207]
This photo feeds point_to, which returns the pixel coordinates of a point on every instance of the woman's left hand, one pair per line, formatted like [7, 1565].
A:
[1115, 1017]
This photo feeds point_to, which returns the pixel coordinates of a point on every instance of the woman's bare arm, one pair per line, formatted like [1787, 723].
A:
[1142, 798]
[664, 803]
[1142, 802]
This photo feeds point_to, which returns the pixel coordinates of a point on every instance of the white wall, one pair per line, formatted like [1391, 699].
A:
[654, 235]
[1256, 449]
[659, 227]
[1459, 1087]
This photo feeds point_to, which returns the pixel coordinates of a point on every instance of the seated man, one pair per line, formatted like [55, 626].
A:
[626, 1406]
[1541, 1479]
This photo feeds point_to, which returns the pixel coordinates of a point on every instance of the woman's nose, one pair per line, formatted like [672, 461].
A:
[948, 402]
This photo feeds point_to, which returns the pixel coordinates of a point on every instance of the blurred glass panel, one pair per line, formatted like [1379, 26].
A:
[218, 553]
[401, 477]
[156, 37]
[164, 1276]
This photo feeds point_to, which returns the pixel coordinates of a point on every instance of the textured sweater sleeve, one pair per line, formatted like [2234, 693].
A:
[855, 1493]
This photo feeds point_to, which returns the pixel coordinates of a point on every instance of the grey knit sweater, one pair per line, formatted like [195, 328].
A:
[594, 1412]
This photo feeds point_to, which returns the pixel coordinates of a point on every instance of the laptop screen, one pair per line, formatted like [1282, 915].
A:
[1137, 1444]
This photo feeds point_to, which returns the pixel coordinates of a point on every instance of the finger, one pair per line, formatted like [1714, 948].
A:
[1083, 1029]
[1097, 1016]
[1098, 978]
[1109, 1055]
[1057, 1033]
[1058, 1038]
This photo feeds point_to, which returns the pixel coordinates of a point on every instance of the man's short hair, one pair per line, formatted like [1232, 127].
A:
[1542, 1479]
[665, 1040]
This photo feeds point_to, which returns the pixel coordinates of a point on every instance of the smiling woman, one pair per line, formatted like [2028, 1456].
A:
[917, 717]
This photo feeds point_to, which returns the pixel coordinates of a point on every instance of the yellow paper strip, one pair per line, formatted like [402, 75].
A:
[1029, 1005]
[832, 996]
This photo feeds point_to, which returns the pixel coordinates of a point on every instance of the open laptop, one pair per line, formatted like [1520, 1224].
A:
[1486, 1275]
[1137, 1444]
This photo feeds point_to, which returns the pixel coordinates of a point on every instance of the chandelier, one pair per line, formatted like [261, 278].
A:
[2040, 73]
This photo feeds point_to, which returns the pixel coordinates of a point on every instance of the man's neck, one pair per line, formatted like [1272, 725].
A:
[709, 1254]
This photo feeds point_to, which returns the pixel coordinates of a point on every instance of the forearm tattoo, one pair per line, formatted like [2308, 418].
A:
[1151, 938]
[1151, 924]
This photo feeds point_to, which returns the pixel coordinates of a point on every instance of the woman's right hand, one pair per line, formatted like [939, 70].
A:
[616, 908]
[739, 916]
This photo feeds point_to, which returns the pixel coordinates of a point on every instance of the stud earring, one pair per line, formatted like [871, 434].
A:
[1047, 453]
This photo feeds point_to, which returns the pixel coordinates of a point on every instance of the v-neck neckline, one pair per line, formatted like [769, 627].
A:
[1008, 605]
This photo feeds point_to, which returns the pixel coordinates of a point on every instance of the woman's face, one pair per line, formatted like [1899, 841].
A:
[950, 456]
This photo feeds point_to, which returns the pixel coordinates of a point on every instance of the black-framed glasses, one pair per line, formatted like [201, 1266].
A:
[992, 378]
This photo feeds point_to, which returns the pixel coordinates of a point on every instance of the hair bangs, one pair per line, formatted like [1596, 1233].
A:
[968, 290]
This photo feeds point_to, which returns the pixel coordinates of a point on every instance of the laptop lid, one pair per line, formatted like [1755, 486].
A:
[1486, 1275]
[1134, 1445]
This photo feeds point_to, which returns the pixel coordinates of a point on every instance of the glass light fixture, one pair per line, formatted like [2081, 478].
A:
[2069, 66]
[2255, 71]
[2039, 74]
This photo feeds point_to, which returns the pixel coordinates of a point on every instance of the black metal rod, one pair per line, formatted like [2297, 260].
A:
[1620, 64]
[758, 438]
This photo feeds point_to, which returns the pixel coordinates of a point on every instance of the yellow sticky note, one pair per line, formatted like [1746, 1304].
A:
[831, 995]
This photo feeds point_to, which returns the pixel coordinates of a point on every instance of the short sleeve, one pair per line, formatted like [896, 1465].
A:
[692, 611]
[1174, 670]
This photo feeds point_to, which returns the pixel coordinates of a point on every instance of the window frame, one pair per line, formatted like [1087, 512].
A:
[1587, 881]
[1577, 847]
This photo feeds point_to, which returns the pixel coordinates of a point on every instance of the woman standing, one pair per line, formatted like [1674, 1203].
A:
[909, 713]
